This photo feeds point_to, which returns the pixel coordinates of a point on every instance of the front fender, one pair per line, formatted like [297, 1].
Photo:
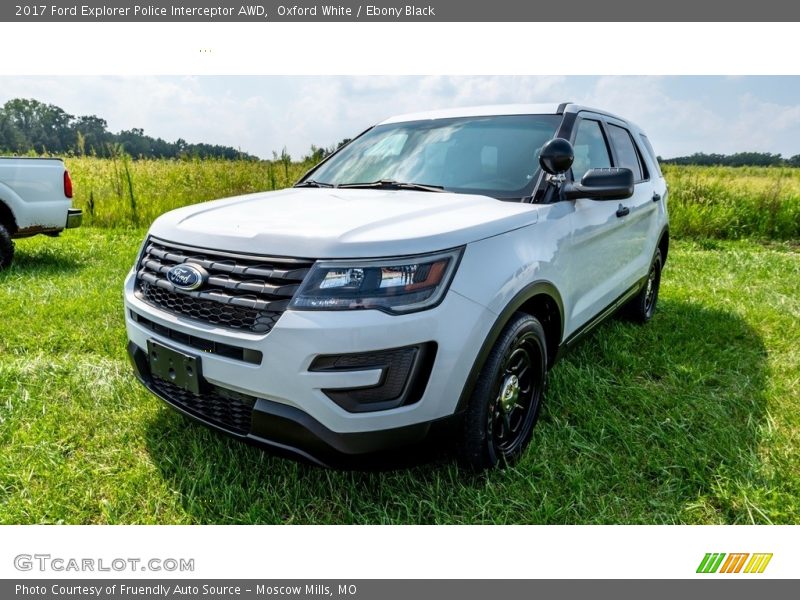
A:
[505, 273]
[493, 271]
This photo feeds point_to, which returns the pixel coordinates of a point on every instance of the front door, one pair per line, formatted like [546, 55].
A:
[597, 258]
[636, 248]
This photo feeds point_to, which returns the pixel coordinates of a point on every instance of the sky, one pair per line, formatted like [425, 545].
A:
[262, 114]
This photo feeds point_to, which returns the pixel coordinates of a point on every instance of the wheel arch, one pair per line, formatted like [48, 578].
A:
[7, 218]
[539, 299]
[11, 209]
[663, 245]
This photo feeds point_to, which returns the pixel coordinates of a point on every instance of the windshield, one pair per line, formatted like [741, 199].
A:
[495, 155]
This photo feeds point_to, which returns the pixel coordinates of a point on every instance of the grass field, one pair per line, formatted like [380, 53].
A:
[734, 203]
[694, 418]
[705, 202]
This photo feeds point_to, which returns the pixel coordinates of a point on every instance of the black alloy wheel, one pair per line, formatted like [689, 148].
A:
[507, 398]
[643, 306]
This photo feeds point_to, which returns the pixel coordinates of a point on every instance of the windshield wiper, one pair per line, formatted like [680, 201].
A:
[394, 185]
[312, 183]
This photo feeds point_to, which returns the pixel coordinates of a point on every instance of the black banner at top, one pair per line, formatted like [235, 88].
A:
[398, 11]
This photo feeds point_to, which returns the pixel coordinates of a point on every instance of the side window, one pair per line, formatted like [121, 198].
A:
[626, 152]
[591, 151]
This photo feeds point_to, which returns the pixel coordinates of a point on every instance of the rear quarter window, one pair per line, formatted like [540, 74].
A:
[650, 153]
[627, 154]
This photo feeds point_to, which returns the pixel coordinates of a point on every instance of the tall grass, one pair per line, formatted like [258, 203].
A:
[734, 202]
[716, 202]
[119, 192]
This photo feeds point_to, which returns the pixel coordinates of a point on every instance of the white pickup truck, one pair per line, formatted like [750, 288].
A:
[35, 197]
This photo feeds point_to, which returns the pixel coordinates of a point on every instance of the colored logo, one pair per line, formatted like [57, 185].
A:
[187, 277]
[741, 562]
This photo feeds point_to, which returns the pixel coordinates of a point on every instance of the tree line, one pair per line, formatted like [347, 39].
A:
[739, 159]
[28, 126]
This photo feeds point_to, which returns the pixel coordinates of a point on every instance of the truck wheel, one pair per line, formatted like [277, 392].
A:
[504, 406]
[643, 305]
[6, 248]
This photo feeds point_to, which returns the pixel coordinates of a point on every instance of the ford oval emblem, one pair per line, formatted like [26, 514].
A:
[187, 276]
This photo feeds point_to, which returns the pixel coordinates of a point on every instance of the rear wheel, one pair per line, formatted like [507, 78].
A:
[643, 306]
[505, 404]
[6, 248]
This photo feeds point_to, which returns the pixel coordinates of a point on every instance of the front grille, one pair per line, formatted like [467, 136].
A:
[242, 291]
[231, 411]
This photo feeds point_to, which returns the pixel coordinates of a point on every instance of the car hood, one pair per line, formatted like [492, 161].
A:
[342, 223]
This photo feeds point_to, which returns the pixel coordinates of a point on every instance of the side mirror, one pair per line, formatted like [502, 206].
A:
[556, 156]
[601, 184]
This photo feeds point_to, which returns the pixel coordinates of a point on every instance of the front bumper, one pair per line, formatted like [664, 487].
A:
[74, 218]
[288, 402]
[290, 431]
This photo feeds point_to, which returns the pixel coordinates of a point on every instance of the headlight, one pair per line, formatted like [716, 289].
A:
[394, 285]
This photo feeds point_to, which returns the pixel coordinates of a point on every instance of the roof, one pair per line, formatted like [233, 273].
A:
[478, 111]
[550, 108]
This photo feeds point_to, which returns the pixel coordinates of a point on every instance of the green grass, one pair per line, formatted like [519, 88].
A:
[694, 418]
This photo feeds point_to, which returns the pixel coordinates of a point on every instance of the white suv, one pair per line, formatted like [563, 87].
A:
[428, 273]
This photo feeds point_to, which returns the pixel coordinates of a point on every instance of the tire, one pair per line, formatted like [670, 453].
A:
[642, 308]
[496, 432]
[6, 248]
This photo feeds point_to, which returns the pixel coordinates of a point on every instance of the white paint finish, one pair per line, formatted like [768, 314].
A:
[596, 269]
[355, 223]
[33, 188]
[495, 269]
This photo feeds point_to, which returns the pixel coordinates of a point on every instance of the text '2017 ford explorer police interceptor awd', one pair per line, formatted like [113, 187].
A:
[429, 272]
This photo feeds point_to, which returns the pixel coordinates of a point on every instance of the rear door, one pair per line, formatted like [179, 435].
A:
[641, 210]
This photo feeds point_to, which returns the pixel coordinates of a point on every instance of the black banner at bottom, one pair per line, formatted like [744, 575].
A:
[733, 588]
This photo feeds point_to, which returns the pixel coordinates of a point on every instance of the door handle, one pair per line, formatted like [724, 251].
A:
[656, 196]
[623, 210]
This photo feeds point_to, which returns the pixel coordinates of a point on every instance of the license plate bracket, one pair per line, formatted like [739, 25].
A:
[175, 367]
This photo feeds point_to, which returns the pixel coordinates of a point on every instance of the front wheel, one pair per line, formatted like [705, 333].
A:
[503, 408]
